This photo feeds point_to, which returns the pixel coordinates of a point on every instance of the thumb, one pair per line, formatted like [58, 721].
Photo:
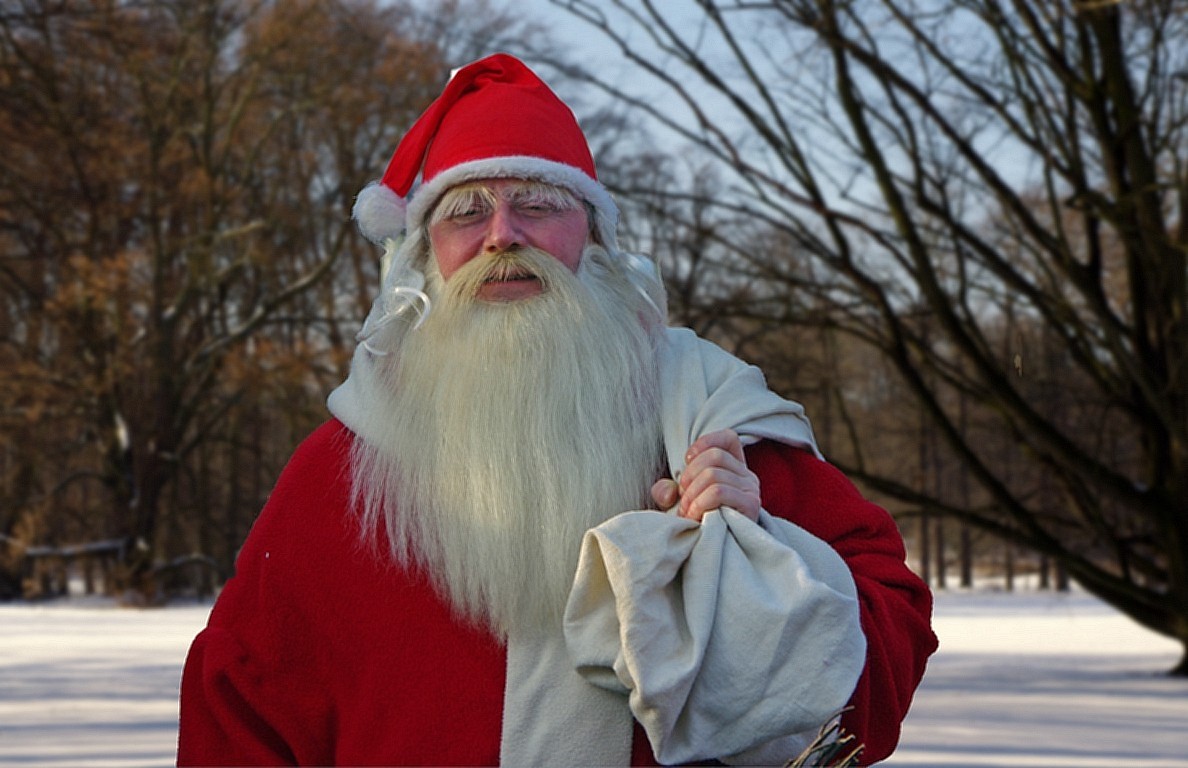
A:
[665, 493]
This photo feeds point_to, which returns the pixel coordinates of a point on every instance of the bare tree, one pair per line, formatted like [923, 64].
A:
[180, 275]
[174, 211]
[1012, 170]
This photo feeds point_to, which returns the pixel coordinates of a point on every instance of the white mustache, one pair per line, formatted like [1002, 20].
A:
[512, 264]
[508, 265]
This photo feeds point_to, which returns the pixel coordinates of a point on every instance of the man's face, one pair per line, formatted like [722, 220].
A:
[490, 216]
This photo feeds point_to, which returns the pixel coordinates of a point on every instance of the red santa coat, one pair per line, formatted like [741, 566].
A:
[320, 653]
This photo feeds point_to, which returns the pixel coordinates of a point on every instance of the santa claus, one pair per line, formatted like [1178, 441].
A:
[541, 526]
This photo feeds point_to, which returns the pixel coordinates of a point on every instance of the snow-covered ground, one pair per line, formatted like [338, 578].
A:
[1025, 679]
[1039, 680]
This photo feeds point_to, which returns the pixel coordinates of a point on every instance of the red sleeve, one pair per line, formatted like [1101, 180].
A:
[252, 690]
[222, 720]
[895, 604]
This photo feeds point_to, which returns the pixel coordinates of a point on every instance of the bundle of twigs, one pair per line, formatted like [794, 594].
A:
[833, 747]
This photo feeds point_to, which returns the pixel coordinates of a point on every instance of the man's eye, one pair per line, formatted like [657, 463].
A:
[463, 215]
[538, 208]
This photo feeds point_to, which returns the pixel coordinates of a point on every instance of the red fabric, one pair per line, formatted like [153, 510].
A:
[319, 653]
[494, 107]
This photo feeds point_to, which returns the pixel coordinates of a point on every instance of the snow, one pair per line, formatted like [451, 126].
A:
[83, 683]
[1042, 679]
[1021, 680]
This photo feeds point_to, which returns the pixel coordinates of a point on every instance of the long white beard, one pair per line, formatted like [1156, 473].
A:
[509, 429]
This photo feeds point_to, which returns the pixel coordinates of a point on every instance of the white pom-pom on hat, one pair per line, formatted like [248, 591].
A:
[379, 212]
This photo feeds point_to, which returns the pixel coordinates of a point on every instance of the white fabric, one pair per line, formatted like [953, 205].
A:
[705, 388]
[731, 638]
[552, 716]
[699, 631]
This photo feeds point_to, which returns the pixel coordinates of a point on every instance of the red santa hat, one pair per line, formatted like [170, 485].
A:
[495, 119]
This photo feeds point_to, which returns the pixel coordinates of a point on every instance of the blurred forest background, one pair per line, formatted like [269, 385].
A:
[956, 230]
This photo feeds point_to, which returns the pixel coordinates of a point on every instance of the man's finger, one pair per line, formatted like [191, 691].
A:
[665, 493]
[725, 439]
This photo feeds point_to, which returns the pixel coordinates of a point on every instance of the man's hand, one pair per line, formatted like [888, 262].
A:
[715, 475]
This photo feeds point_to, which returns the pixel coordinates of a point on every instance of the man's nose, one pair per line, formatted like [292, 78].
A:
[503, 230]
